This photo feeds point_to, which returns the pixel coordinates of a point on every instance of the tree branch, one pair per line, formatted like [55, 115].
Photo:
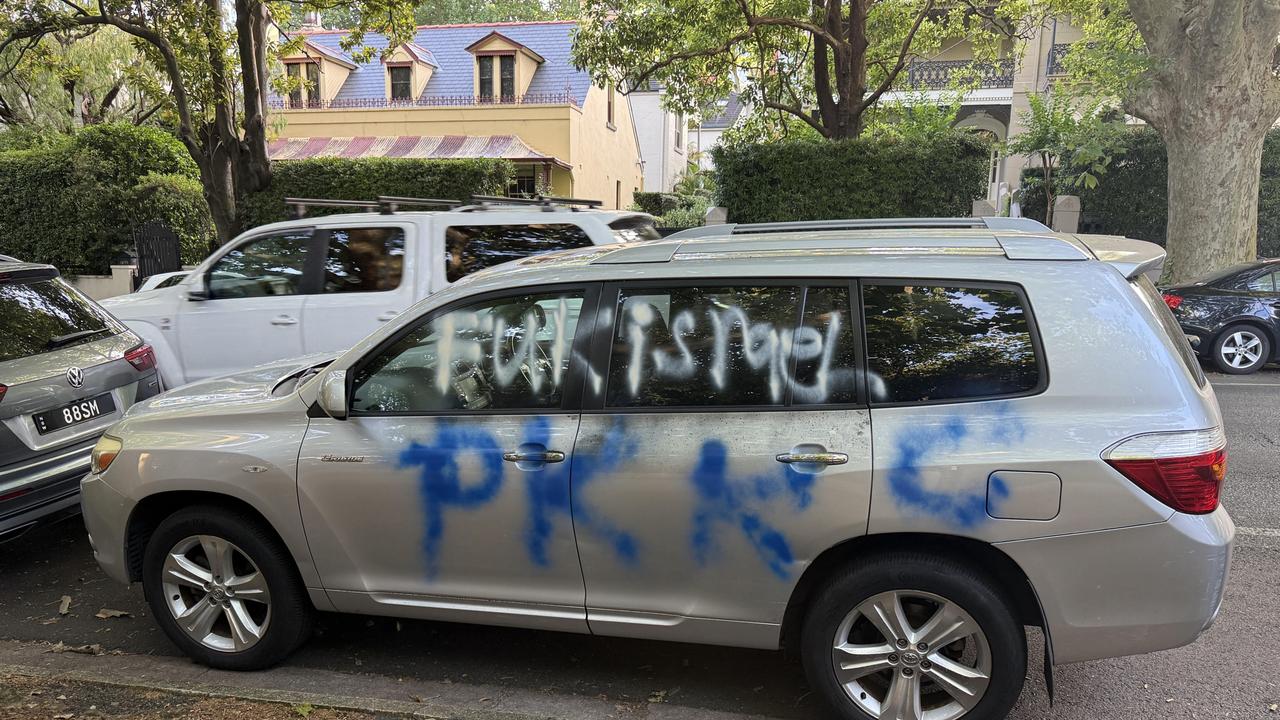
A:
[1158, 26]
[800, 113]
[904, 51]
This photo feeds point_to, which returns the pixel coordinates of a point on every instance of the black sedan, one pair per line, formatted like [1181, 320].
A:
[1232, 317]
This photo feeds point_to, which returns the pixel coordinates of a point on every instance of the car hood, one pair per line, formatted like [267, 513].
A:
[233, 392]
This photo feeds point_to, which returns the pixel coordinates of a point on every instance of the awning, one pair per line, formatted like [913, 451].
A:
[433, 147]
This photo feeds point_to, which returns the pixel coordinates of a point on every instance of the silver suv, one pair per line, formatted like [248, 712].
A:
[889, 446]
[67, 371]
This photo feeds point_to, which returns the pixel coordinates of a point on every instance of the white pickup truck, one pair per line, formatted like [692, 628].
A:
[320, 284]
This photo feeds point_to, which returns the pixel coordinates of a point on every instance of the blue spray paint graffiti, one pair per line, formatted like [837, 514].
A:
[442, 487]
[915, 449]
[723, 501]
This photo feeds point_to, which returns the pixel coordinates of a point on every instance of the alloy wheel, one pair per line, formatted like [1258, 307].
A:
[1242, 349]
[912, 655]
[216, 593]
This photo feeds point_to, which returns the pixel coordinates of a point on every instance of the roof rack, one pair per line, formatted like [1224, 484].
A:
[988, 223]
[299, 205]
[546, 202]
[390, 203]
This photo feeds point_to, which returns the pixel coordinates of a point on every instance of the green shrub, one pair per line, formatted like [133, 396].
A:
[367, 178]
[178, 202]
[1132, 197]
[73, 202]
[825, 180]
[655, 203]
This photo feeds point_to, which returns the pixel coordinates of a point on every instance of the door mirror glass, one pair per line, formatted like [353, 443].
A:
[333, 394]
[200, 291]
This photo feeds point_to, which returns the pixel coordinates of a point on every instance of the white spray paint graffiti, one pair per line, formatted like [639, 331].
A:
[511, 349]
[763, 346]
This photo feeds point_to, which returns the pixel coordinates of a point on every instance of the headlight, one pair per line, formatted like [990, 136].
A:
[104, 453]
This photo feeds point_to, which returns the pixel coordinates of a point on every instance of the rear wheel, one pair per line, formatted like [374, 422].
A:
[1241, 350]
[908, 637]
[224, 589]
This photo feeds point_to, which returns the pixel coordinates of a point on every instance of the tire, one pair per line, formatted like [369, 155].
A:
[271, 630]
[921, 584]
[1241, 350]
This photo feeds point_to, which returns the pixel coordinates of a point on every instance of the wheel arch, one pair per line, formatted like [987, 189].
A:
[976, 553]
[153, 509]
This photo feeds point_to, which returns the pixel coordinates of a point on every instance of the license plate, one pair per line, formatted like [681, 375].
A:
[74, 414]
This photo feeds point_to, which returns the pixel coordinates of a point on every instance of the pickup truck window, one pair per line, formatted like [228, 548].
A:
[365, 259]
[469, 248]
[263, 267]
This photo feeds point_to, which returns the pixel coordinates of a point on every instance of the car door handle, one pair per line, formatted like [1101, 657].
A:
[284, 320]
[388, 315]
[813, 458]
[534, 456]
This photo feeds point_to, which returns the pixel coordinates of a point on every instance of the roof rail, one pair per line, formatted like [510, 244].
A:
[546, 202]
[391, 203]
[299, 205]
[989, 223]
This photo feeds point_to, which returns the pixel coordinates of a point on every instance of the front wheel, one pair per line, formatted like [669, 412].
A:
[908, 637]
[224, 589]
[1241, 350]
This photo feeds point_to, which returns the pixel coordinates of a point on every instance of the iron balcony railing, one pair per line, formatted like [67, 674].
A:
[944, 74]
[562, 98]
[1057, 54]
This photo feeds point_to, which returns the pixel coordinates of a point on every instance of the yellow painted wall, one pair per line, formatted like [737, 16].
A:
[604, 156]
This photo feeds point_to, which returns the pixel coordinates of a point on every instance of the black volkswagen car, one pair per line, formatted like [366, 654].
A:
[1232, 317]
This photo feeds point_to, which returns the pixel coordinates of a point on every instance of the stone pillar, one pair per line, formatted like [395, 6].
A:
[716, 216]
[982, 209]
[1066, 214]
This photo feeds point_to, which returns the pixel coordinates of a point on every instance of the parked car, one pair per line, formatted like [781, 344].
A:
[321, 284]
[162, 280]
[887, 445]
[8, 258]
[1232, 317]
[67, 371]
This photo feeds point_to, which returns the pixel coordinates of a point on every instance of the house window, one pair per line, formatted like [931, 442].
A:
[401, 82]
[679, 131]
[486, 77]
[313, 84]
[610, 93]
[294, 71]
[525, 182]
[507, 66]
[617, 195]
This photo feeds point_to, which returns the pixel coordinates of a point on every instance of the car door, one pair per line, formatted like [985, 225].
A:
[366, 279]
[253, 310]
[445, 493]
[724, 446]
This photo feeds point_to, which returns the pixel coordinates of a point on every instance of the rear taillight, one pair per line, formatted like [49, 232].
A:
[141, 357]
[1183, 470]
[1173, 301]
[3, 388]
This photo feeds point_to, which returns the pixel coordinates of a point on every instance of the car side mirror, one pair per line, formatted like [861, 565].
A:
[200, 292]
[333, 394]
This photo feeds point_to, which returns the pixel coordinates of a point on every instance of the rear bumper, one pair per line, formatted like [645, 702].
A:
[45, 489]
[1131, 590]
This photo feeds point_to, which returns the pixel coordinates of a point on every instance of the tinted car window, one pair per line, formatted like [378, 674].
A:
[171, 281]
[364, 260]
[505, 354]
[928, 343]
[702, 346]
[44, 315]
[1151, 297]
[825, 349]
[267, 266]
[635, 229]
[1264, 283]
[469, 248]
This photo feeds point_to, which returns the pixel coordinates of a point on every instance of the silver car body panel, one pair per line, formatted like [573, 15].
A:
[699, 567]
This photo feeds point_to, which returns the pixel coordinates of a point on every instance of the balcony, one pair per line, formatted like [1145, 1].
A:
[948, 74]
[565, 98]
[1057, 54]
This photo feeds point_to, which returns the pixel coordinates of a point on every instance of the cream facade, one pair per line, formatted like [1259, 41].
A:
[499, 90]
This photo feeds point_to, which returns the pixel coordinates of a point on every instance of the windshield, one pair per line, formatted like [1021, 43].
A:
[44, 315]
[1214, 279]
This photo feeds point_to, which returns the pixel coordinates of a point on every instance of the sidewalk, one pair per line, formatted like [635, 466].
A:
[99, 684]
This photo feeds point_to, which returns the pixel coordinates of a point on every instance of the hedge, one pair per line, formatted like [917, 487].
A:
[74, 203]
[822, 180]
[367, 178]
[655, 203]
[1132, 199]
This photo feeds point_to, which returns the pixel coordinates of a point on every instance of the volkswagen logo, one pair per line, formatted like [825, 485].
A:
[75, 377]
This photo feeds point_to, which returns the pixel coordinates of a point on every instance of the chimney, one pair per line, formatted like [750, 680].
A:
[311, 20]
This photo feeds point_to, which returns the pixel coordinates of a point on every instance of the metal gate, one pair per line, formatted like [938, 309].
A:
[158, 250]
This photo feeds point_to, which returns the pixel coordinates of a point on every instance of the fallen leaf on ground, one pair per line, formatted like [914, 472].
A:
[304, 709]
[61, 647]
[1273, 707]
[64, 716]
[107, 613]
[64, 607]
[658, 696]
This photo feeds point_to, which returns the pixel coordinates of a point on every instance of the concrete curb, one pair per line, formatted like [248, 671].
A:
[341, 691]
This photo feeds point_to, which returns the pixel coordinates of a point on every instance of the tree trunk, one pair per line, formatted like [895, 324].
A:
[1213, 199]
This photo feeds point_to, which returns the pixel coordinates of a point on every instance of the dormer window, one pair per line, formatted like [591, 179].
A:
[409, 69]
[401, 82]
[504, 68]
[485, 63]
[317, 72]
[307, 92]
[507, 73]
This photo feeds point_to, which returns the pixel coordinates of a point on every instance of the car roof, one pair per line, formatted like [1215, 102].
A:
[19, 268]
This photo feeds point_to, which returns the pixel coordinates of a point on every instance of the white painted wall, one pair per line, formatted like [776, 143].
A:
[655, 127]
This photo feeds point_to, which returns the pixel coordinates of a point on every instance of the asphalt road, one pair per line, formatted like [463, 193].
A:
[1231, 672]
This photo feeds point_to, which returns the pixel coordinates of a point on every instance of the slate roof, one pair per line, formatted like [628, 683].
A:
[454, 77]
[727, 116]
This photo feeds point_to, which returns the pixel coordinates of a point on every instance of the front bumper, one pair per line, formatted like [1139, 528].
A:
[106, 517]
[42, 490]
[1131, 590]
